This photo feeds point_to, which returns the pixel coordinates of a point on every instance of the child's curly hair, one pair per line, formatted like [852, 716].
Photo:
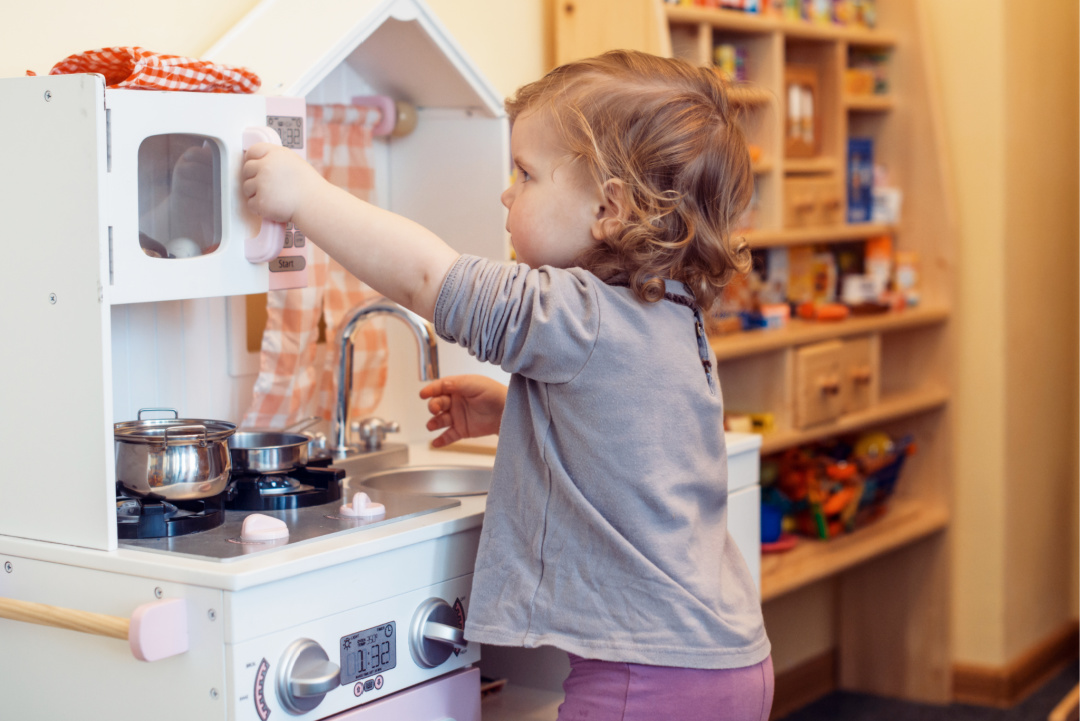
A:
[666, 129]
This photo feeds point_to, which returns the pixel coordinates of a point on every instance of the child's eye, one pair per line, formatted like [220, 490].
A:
[523, 175]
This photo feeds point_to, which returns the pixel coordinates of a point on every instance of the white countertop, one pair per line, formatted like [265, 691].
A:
[289, 561]
[294, 559]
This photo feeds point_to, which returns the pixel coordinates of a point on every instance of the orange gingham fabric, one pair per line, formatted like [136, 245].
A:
[142, 69]
[294, 383]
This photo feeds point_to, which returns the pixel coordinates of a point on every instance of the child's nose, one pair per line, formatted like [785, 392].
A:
[507, 197]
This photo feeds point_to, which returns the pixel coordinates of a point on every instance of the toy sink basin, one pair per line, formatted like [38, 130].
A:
[431, 480]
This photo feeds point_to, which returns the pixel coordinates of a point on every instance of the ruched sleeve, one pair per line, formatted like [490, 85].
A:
[540, 323]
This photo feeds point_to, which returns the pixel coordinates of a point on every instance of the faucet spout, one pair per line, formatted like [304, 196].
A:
[426, 346]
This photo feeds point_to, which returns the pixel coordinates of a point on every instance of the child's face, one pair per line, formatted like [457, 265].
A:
[554, 204]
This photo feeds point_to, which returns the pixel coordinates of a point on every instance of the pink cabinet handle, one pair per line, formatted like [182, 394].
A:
[268, 244]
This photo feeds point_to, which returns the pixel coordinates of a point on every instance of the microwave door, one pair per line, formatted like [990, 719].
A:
[180, 228]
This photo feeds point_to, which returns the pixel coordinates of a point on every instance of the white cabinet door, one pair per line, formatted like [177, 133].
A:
[744, 526]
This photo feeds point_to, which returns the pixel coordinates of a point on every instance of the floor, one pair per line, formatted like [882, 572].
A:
[845, 706]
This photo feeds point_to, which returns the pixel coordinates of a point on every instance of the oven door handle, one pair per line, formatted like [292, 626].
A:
[156, 630]
[445, 633]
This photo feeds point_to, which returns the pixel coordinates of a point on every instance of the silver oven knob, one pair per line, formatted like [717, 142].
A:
[434, 633]
[305, 676]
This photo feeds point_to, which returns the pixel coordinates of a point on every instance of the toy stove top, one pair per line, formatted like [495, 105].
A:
[222, 542]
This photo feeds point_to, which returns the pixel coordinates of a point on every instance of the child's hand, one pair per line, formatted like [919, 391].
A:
[276, 181]
[467, 406]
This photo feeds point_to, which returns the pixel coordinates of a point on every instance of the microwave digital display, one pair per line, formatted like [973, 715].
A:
[291, 130]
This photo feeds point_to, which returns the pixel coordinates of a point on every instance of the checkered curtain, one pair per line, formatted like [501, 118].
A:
[292, 385]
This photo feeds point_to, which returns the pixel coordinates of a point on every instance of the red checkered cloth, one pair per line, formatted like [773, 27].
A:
[144, 70]
[295, 381]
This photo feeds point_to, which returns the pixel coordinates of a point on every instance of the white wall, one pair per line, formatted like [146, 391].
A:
[505, 38]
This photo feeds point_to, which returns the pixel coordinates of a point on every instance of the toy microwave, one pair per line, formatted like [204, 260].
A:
[171, 216]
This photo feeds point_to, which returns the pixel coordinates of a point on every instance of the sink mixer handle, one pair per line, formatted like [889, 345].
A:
[371, 432]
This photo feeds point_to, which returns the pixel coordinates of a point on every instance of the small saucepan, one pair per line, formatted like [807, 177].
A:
[268, 451]
[176, 459]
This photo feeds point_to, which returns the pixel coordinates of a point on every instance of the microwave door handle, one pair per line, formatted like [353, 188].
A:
[270, 241]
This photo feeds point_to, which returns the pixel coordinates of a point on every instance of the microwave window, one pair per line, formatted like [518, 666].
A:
[179, 196]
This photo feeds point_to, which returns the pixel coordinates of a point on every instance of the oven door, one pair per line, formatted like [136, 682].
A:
[455, 696]
[178, 224]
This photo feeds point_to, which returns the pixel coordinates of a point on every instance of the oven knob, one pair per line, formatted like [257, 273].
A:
[305, 676]
[434, 633]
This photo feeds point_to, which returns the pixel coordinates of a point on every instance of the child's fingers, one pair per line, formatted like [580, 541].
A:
[438, 404]
[438, 387]
[258, 150]
[446, 438]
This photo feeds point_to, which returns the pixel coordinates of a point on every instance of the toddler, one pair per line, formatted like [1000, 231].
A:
[605, 533]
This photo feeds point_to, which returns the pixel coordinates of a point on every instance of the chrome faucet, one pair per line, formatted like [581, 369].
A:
[428, 356]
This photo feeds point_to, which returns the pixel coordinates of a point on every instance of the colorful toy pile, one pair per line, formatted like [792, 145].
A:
[840, 12]
[827, 489]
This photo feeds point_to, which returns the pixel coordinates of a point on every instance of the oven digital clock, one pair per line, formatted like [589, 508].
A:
[369, 652]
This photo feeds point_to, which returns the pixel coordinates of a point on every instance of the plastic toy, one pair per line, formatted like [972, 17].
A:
[831, 489]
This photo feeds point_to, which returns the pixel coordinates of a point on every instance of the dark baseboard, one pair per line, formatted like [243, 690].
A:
[804, 684]
[1004, 687]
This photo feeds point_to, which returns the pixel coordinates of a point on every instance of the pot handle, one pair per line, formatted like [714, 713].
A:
[155, 630]
[192, 427]
[158, 410]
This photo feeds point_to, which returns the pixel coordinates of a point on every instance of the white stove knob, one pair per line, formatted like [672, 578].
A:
[305, 676]
[362, 507]
[434, 633]
[258, 527]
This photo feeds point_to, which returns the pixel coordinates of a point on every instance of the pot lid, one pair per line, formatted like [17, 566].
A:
[175, 431]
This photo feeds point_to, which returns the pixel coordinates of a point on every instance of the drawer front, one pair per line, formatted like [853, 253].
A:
[810, 202]
[818, 383]
[860, 377]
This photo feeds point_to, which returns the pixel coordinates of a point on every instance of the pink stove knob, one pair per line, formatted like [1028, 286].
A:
[258, 527]
[363, 507]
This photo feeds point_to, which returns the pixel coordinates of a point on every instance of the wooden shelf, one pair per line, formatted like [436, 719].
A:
[811, 165]
[824, 234]
[869, 103]
[737, 21]
[891, 408]
[749, 96]
[905, 522]
[799, 332]
[763, 166]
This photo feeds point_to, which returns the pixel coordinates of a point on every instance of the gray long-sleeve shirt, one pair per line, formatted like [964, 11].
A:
[606, 526]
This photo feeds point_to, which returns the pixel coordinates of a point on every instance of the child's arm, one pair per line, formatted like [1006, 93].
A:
[398, 258]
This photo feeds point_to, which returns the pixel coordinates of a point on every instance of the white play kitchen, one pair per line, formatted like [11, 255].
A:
[157, 561]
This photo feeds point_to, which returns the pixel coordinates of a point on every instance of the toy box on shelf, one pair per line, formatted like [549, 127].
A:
[827, 489]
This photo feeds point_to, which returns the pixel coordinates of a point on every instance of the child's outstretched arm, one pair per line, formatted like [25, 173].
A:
[400, 259]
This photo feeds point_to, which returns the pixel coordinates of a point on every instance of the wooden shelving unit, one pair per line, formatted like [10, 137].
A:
[892, 577]
[812, 560]
[802, 332]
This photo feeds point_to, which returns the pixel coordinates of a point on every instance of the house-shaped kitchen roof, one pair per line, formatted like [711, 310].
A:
[398, 47]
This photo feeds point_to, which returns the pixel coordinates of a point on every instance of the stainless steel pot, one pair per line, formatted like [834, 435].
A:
[268, 451]
[172, 458]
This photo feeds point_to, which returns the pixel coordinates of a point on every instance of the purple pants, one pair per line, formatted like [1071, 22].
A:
[609, 691]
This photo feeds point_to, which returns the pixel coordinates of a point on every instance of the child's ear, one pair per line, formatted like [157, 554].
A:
[612, 210]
